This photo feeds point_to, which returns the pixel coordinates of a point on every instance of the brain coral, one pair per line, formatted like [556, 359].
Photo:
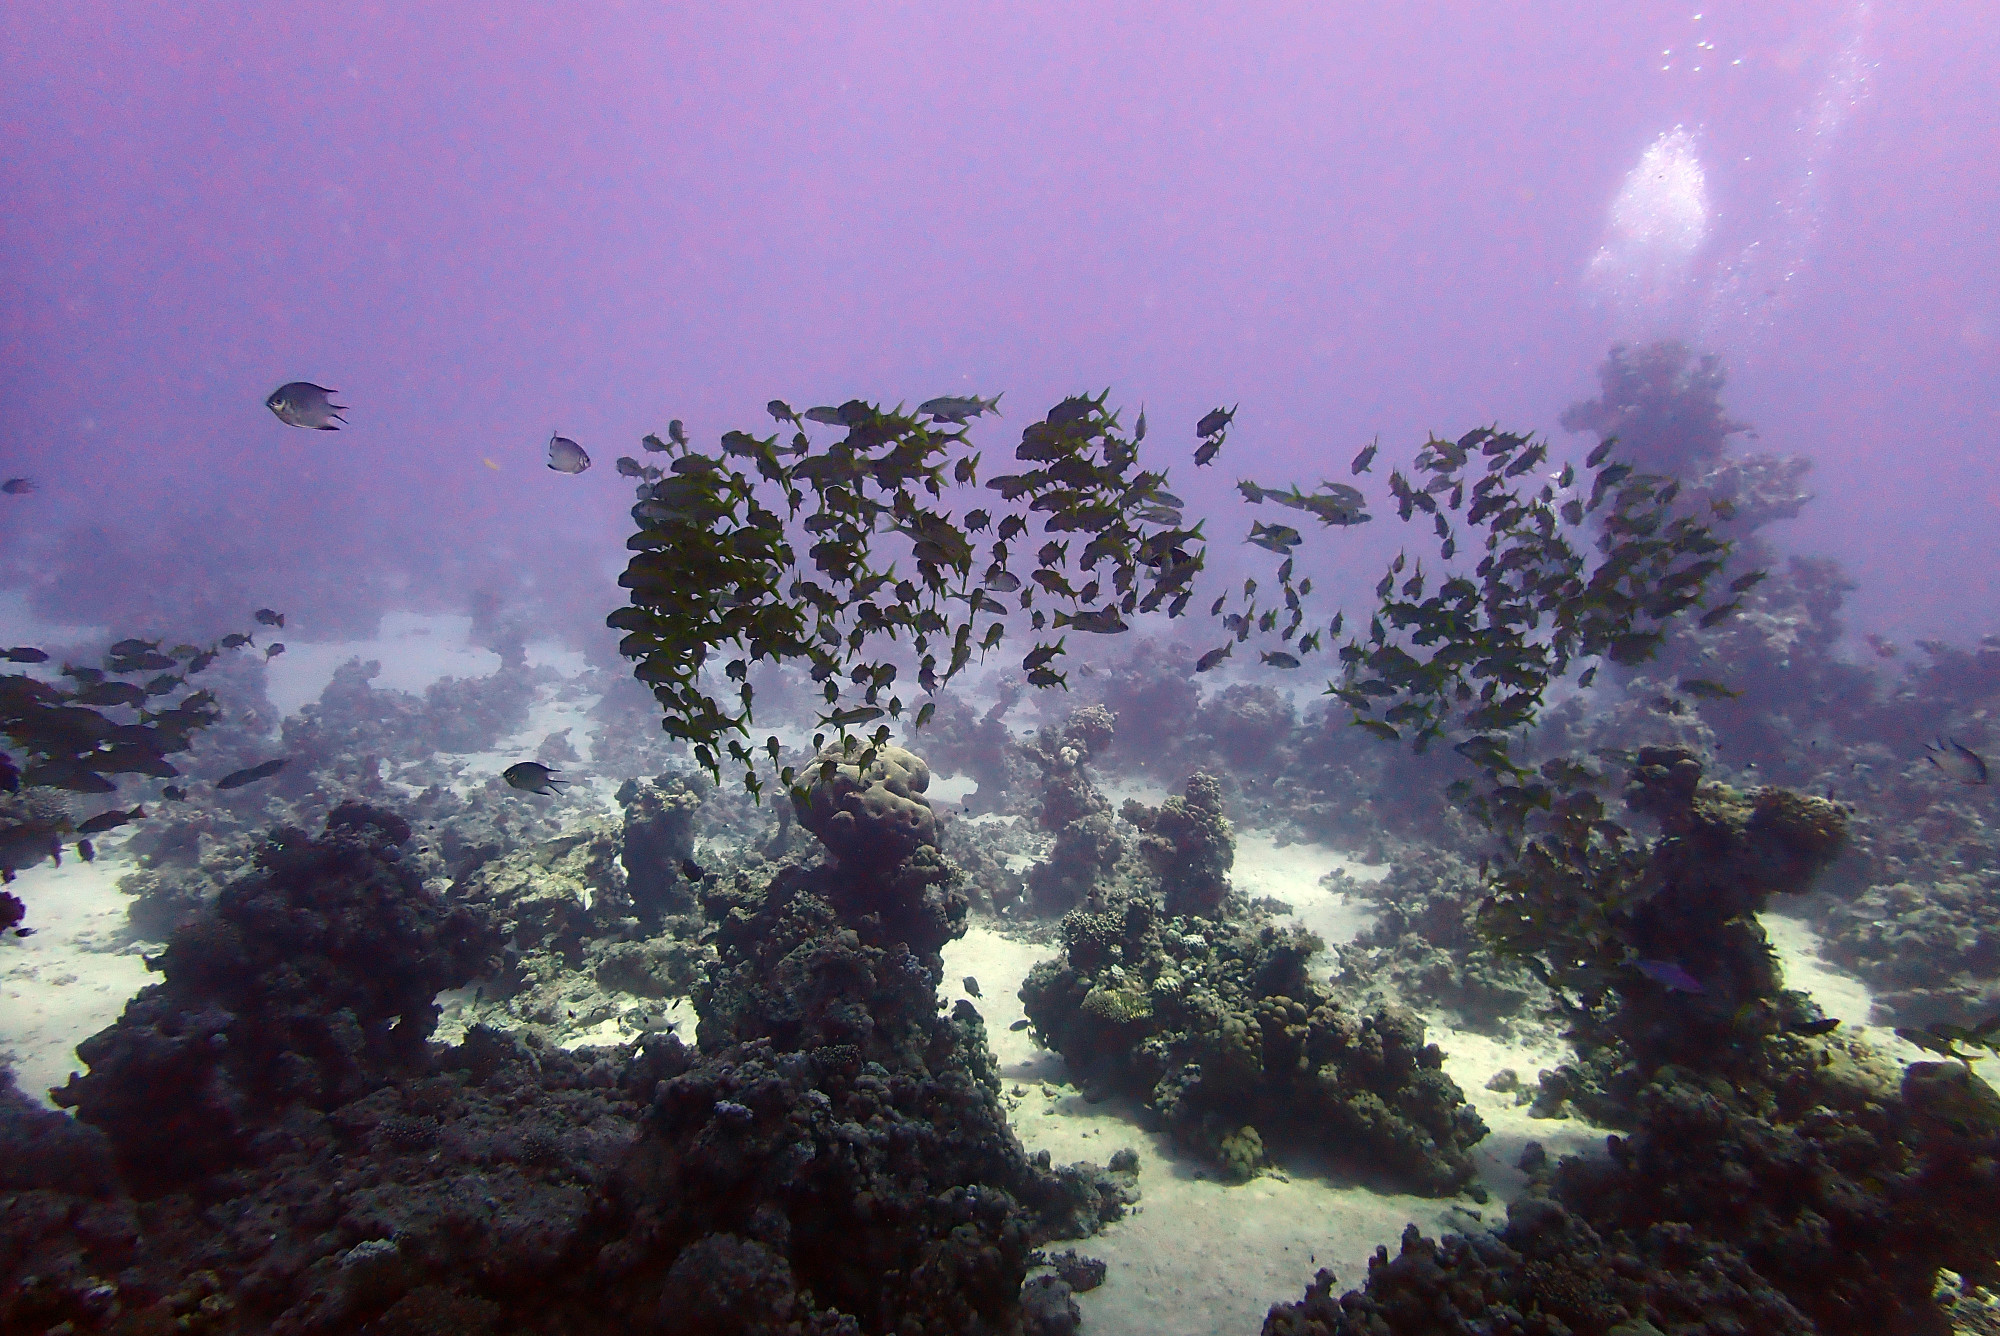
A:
[872, 820]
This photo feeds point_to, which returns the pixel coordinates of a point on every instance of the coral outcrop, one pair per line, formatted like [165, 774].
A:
[310, 982]
[1218, 1027]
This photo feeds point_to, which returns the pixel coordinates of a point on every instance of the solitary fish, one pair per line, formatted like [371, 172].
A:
[111, 820]
[1670, 976]
[532, 777]
[1364, 459]
[300, 403]
[269, 617]
[1824, 1025]
[1214, 421]
[17, 486]
[236, 779]
[1958, 762]
[566, 456]
[692, 870]
[1139, 432]
[971, 986]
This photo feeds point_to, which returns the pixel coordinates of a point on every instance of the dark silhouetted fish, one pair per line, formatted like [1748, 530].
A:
[236, 779]
[17, 486]
[269, 617]
[952, 408]
[273, 650]
[566, 456]
[532, 777]
[71, 775]
[111, 820]
[300, 403]
[971, 986]
[24, 654]
[692, 870]
[1824, 1025]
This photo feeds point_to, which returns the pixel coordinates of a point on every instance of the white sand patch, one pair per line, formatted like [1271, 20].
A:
[74, 975]
[1842, 995]
[1201, 1256]
[1295, 874]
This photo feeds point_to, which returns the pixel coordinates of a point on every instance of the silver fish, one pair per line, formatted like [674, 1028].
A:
[300, 403]
[950, 408]
[566, 456]
[1960, 763]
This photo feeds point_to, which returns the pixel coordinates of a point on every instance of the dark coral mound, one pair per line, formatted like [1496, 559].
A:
[1548, 1274]
[1189, 846]
[1847, 1195]
[839, 1154]
[309, 982]
[1219, 1028]
[1087, 843]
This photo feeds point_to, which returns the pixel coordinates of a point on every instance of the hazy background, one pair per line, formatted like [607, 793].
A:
[1353, 219]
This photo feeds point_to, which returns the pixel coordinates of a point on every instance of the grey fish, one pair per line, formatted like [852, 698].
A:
[1214, 421]
[17, 486]
[532, 777]
[1277, 658]
[629, 467]
[1960, 763]
[1139, 431]
[269, 617]
[236, 779]
[300, 403]
[566, 456]
[273, 650]
[827, 416]
[1213, 657]
[956, 408]
[1104, 621]
[677, 433]
[971, 985]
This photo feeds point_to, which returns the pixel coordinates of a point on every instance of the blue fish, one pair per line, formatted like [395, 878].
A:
[1670, 976]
